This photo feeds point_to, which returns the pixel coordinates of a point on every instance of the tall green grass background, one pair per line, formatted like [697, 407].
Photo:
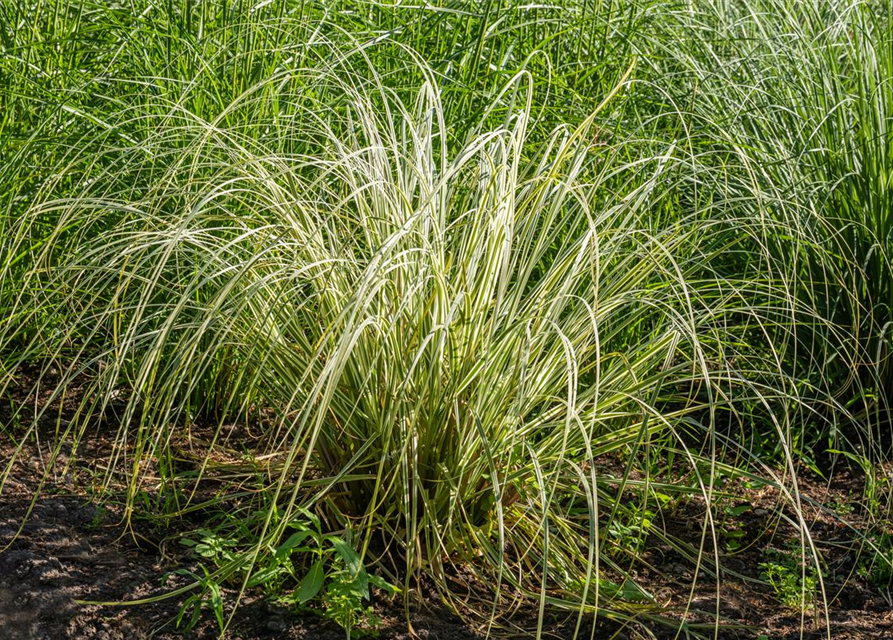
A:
[494, 283]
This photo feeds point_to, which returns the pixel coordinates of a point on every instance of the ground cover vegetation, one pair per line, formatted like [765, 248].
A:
[478, 295]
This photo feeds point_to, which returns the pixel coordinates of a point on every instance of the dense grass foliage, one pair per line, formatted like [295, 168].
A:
[493, 285]
[802, 94]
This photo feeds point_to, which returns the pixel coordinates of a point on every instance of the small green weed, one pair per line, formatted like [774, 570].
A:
[842, 508]
[794, 585]
[212, 546]
[875, 564]
[733, 533]
[307, 566]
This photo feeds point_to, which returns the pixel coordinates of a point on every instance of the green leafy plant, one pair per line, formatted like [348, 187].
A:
[347, 587]
[732, 533]
[875, 563]
[793, 579]
[207, 544]
[308, 567]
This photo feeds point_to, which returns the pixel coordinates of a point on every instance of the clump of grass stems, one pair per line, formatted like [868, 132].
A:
[450, 335]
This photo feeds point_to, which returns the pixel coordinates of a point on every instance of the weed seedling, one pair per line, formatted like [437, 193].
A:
[794, 585]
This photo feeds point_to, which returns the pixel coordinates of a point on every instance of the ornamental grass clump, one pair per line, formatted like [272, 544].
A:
[457, 341]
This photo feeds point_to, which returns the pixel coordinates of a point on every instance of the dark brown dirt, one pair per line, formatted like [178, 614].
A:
[70, 551]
